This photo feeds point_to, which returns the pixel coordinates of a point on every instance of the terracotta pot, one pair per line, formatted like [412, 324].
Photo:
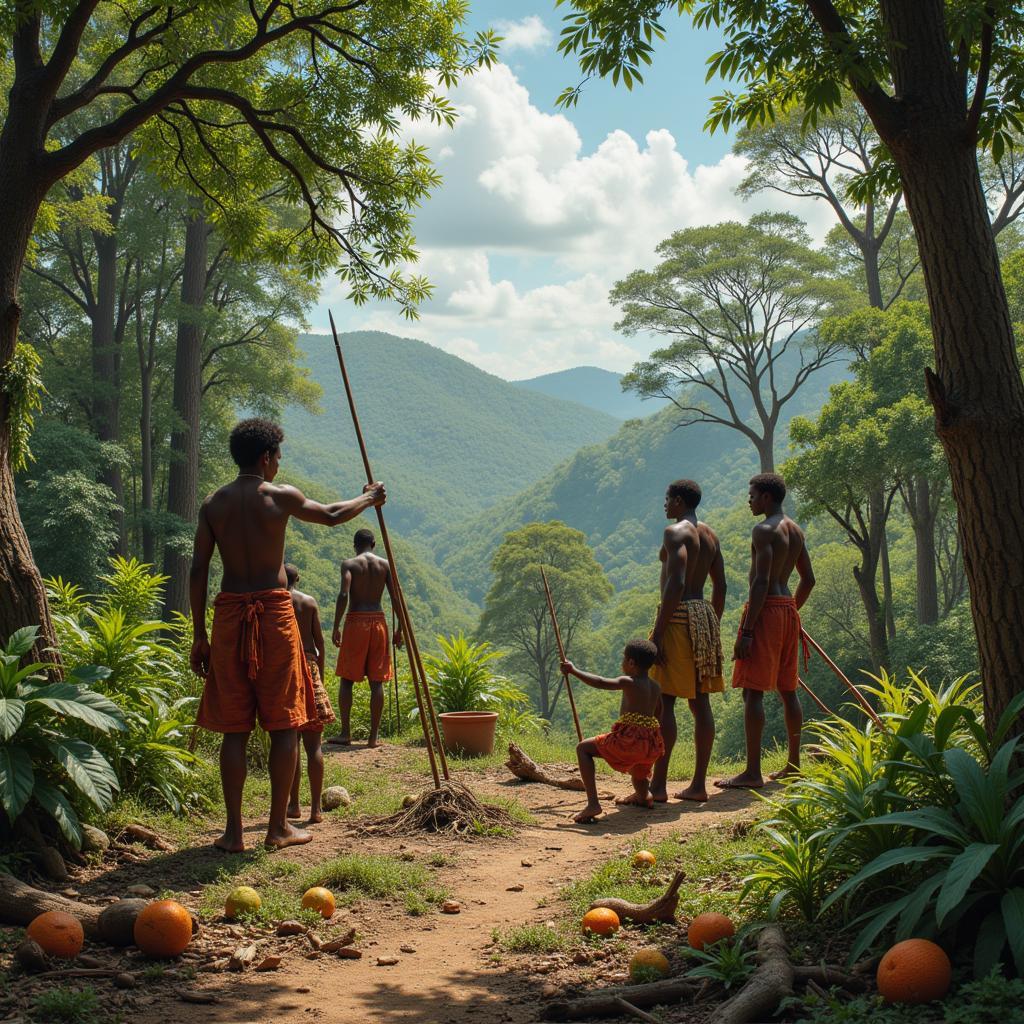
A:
[469, 732]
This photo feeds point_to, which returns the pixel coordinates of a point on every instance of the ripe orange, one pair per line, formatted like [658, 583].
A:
[163, 929]
[58, 934]
[914, 971]
[648, 961]
[319, 899]
[706, 929]
[644, 859]
[601, 921]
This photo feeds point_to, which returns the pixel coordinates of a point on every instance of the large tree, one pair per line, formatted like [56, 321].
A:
[739, 304]
[316, 89]
[938, 78]
[516, 613]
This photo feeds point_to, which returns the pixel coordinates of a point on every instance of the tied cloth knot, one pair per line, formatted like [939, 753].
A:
[252, 643]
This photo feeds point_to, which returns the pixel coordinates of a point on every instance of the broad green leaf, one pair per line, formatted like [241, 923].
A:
[11, 714]
[875, 922]
[22, 641]
[89, 675]
[988, 948]
[886, 862]
[91, 708]
[88, 770]
[917, 904]
[16, 779]
[962, 873]
[1013, 914]
[982, 803]
[1009, 718]
[56, 804]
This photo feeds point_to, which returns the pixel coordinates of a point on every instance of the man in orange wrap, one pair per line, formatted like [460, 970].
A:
[768, 645]
[634, 743]
[254, 665]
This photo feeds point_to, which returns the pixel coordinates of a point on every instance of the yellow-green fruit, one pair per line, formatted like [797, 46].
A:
[243, 900]
[648, 961]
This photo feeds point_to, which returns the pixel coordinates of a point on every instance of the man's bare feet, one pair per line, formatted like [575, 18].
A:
[373, 744]
[228, 843]
[698, 794]
[288, 836]
[788, 772]
[343, 741]
[741, 781]
[589, 814]
[294, 813]
[660, 796]
[315, 817]
[636, 800]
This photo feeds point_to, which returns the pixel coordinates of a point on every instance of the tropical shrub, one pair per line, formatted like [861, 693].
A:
[42, 768]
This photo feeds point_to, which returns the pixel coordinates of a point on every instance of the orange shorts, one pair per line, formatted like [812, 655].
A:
[364, 650]
[774, 659]
[324, 710]
[633, 746]
[257, 666]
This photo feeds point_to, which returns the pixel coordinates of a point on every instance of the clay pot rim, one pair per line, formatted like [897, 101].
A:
[468, 716]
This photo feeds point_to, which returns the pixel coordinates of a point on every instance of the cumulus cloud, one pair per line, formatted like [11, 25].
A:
[518, 188]
[529, 34]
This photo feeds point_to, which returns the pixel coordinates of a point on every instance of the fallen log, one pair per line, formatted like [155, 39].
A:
[661, 909]
[20, 903]
[829, 977]
[771, 982]
[609, 1002]
[522, 766]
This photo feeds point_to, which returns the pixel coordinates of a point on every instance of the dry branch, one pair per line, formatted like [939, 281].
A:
[451, 808]
[770, 983]
[20, 903]
[609, 1002]
[523, 767]
[661, 909]
[829, 977]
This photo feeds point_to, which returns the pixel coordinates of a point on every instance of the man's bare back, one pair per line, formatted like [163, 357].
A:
[701, 547]
[307, 612]
[367, 575]
[779, 534]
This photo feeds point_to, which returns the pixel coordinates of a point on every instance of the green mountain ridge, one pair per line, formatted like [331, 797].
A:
[448, 439]
[596, 388]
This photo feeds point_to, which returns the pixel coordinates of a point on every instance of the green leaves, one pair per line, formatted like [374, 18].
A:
[87, 769]
[12, 713]
[17, 780]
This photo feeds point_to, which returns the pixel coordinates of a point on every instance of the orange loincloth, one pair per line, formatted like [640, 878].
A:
[364, 650]
[257, 666]
[633, 746]
[324, 710]
[774, 659]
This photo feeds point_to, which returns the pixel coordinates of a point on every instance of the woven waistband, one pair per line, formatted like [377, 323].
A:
[366, 615]
[641, 721]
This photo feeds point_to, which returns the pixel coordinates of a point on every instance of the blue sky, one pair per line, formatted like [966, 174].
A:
[543, 210]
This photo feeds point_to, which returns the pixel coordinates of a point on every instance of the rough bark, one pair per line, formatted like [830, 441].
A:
[20, 903]
[606, 1004]
[976, 388]
[522, 766]
[887, 599]
[183, 474]
[770, 983]
[662, 909]
[922, 507]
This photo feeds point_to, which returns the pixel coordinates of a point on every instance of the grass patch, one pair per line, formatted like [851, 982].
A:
[372, 876]
[530, 938]
[712, 879]
[276, 881]
[67, 1006]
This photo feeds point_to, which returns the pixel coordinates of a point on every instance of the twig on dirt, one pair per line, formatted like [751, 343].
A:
[522, 766]
[829, 977]
[770, 983]
[635, 1011]
[140, 834]
[189, 995]
[79, 972]
[661, 909]
[606, 1004]
[451, 809]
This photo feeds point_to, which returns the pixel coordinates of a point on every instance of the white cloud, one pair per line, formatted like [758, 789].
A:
[528, 34]
[517, 184]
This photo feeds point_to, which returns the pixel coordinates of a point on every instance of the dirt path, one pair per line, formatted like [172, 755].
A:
[444, 971]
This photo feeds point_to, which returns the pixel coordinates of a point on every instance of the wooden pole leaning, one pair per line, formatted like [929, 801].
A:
[817, 700]
[561, 654]
[858, 696]
[420, 688]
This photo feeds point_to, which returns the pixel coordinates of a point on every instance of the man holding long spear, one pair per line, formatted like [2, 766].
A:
[254, 664]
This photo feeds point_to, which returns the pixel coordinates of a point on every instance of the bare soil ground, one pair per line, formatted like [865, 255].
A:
[445, 968]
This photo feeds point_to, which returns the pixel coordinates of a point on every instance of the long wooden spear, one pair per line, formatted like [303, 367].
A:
[561, 654]
[420, 686]
[860, 698]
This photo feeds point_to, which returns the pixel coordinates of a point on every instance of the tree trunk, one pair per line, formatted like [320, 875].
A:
[976, 389]
[183, 473]
[877, 637]
[766, 452]
[887, 599]
[922, 509]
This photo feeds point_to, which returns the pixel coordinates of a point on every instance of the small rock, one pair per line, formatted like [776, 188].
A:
[387, 961]
[335, 797]
[314, 954]
[31, 956]
[291, 928]
[84, 960]
[125, 980]
[94, 840]
[339, 943]
[235, 932]
[451, 907]
[407, 949]
[303, 989]
[518, 887]
[141, 890]
[549, 991]
[350, 953]
[269, 963]
[314, 940]
[526, 863]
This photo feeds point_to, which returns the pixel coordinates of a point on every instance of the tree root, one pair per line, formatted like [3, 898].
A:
[829, 977]
[661, 909]
[770, 983]
[609, 1002]
[451, 809]
[20, 903]
[522, 766]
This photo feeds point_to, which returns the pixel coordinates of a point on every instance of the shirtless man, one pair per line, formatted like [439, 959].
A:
[364, 643]
[768, 644]
[254, 664]
[307, 615]
[686, 633]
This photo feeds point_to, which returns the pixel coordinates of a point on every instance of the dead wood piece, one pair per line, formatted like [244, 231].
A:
[350, 953]
[522, 766]
[190, 995]
[635, 1011]
[451, 809]
[606, 1004]
[146, 836]
[243, 957]
[829, 977]
[661, 909]
[20, 903]
[771, 982]
[340, 942]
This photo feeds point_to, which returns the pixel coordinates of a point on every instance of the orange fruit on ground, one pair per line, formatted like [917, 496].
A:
[58, 934]
[319, 899]
[646, 960]
[914, 971]
[163, 929]
[709, 928]
[644, 859]
[601, 921]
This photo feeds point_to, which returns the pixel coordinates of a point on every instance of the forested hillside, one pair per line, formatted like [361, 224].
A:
[595, 388]
[449, 439]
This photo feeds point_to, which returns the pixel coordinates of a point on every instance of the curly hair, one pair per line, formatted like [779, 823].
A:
[688, 490]
[643, 652]
[251, 438]
[363, 539]
[292, 572]
[771, 484]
